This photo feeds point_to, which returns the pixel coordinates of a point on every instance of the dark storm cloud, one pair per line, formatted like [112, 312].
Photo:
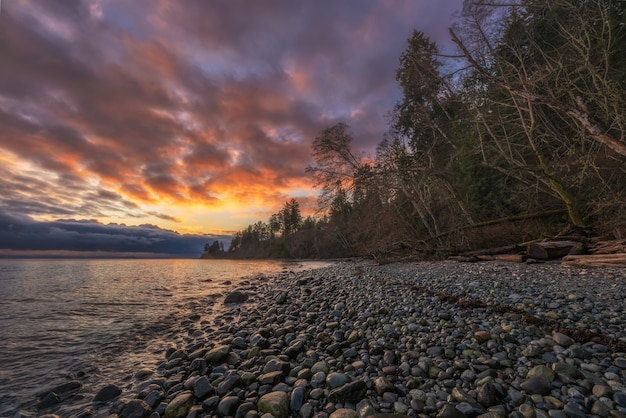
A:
[21, 233]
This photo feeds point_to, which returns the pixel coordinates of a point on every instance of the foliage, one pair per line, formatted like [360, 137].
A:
[522, 134]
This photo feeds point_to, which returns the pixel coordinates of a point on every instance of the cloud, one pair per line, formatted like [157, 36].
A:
[111, 109]
[24, 236]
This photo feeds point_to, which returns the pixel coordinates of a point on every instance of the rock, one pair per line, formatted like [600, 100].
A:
[296, 399]
[565, 369]
[487, 395]
[236, 296]
[620, 399]
[562, 339]
[49, 400]
[600, 408]
[449, 411]
[227, 406]
[202, 388]
[382, 385]
[306, 411]
[536, 385]
[210, 404]
[542, 371]
[270, 378]
[352, 392]
[527, 411]
[138, 408]
[344, 413]
[334, 380]
[179, 406]
[365, 409]
[276, 365]
[573, 410]
[275, 403]
[107, 393]
[243, 409]
[482, 336]
[217, 354]
[320, 366]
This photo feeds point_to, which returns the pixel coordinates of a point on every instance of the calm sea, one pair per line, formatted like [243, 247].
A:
[96, 319]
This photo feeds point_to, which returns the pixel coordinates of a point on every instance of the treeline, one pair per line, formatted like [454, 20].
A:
[286, 234]
[519, 135]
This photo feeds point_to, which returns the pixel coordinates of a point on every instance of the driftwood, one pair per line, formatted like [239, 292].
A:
[609, 247]
[550, 249]
[515, 258]
[508, 249]
[595, 260]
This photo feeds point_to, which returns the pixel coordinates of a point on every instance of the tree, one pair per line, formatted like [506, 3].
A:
[291, 217]
[335, 166]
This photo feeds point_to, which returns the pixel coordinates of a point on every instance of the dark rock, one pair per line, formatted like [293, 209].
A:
[49, 400]
[243, 409]
[202, 388]
[276, 365]
[229, 382]
[297, 399]
[107, 393]
[136, 408]
[620, 399]
[179, 406]
[236, 296]
[210, 404]
[295, 348]
[470, 409]
[228, 406]
[487, 395]
[449, 411]
[352, 392]
[153, 398]
[275, 403]
[62, 388]
[537, 385]
[270, 378]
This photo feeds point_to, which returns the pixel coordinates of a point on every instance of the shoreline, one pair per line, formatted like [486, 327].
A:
[356, 338]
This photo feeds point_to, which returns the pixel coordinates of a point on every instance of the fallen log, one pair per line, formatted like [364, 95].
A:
[595, 260]
[609, 247]
[550, 249]
[514, 258]
[507, 249]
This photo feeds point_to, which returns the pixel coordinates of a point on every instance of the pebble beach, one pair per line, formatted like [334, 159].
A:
[440, 339]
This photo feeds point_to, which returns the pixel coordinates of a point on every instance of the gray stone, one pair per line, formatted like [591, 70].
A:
[217, 354]
[487, 395]
[382, 385]
[344, 413]
[227, 406]
[107, 393]
[536, 385]
[179, 406]
[352, 392]
[202, 388]
[236, 297]
[275, 403]
[562, 339]
[137, 408]
[334, 380]
[449, 411]
[296, 399]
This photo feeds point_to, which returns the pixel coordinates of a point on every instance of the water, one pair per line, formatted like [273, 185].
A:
[95, 320]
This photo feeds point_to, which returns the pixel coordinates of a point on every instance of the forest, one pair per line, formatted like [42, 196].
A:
[518, 136]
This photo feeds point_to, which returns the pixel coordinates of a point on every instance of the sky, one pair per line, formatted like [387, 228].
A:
[152, 126]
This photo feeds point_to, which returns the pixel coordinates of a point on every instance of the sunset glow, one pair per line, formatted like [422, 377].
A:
[195, 117]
